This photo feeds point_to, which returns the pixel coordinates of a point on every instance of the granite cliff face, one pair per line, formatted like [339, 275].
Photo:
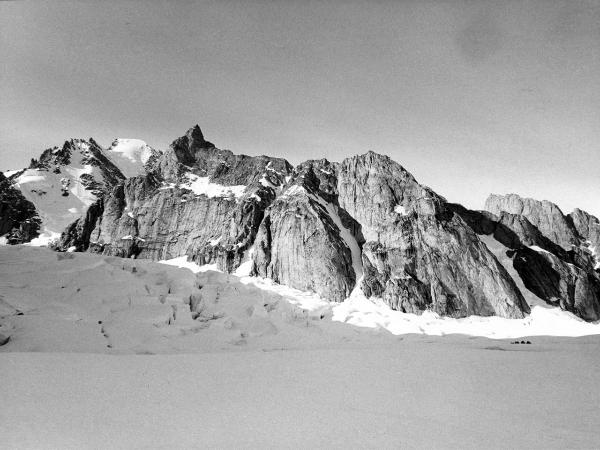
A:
[418, 253]
[194, 200]
[568, 278]
[364, 224]
[305, 240]
[588, 228]
[409, 248]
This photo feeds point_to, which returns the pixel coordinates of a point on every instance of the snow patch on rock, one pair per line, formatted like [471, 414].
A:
[595, 255]
[183, 263]
[346, 236]
[29, 176]
[538, 249]
[265, 182]
[214, 242]
[10, 173]
[203, 186]
[45, 237]
[400, 210]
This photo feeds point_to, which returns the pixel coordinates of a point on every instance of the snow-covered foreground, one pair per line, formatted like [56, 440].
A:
[78, 302]
[363, 312]
[410, 393]
[113, 353]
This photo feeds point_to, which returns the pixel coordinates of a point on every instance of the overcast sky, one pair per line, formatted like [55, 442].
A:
[471, 97]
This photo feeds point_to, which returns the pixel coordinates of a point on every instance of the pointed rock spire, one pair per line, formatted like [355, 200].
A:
[195, 138]
[194, 134]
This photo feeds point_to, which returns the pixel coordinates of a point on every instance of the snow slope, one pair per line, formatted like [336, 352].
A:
[88, 303]
[64, 184]
[59, 189]
[374, 313]
[412, 393]
[107, 353]
[45, 190]
[130, 156]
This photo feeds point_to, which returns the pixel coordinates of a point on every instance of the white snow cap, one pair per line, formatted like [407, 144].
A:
[130, 155]
[135, 150]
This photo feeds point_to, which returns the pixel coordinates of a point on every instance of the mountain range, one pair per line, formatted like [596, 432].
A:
[327, 227]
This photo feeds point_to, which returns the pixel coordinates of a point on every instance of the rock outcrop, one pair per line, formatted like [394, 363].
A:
[588, 228]
[196, 200]
[559, 277]
[559, 283]
[418, 254]
[545, 215]
[306, 240]
[19, 221]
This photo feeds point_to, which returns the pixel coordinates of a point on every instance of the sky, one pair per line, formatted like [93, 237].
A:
[472, 97]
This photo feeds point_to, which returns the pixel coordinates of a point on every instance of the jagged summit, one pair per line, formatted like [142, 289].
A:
[332, 228]
[194, 139]
[544, 214]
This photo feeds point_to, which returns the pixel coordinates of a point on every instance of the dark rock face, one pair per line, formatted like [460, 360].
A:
[77, 234]
[449, 272]
[561, 278]
[19, 220]
[588, 228]
[299, 245]
[306, 240]
[544, 215]
[193, 154]
[419, 254]
[559, 283]
[198, 201]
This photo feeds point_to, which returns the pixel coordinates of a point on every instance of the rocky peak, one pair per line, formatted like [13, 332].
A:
[193, 139]
[587, 225]
[65, 181]
[191, 154]
[319, 176]
[375, 190]
[77, 153]
[545, 215]
[58, 156]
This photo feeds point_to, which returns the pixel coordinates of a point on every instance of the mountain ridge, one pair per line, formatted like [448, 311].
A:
[322, 226]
